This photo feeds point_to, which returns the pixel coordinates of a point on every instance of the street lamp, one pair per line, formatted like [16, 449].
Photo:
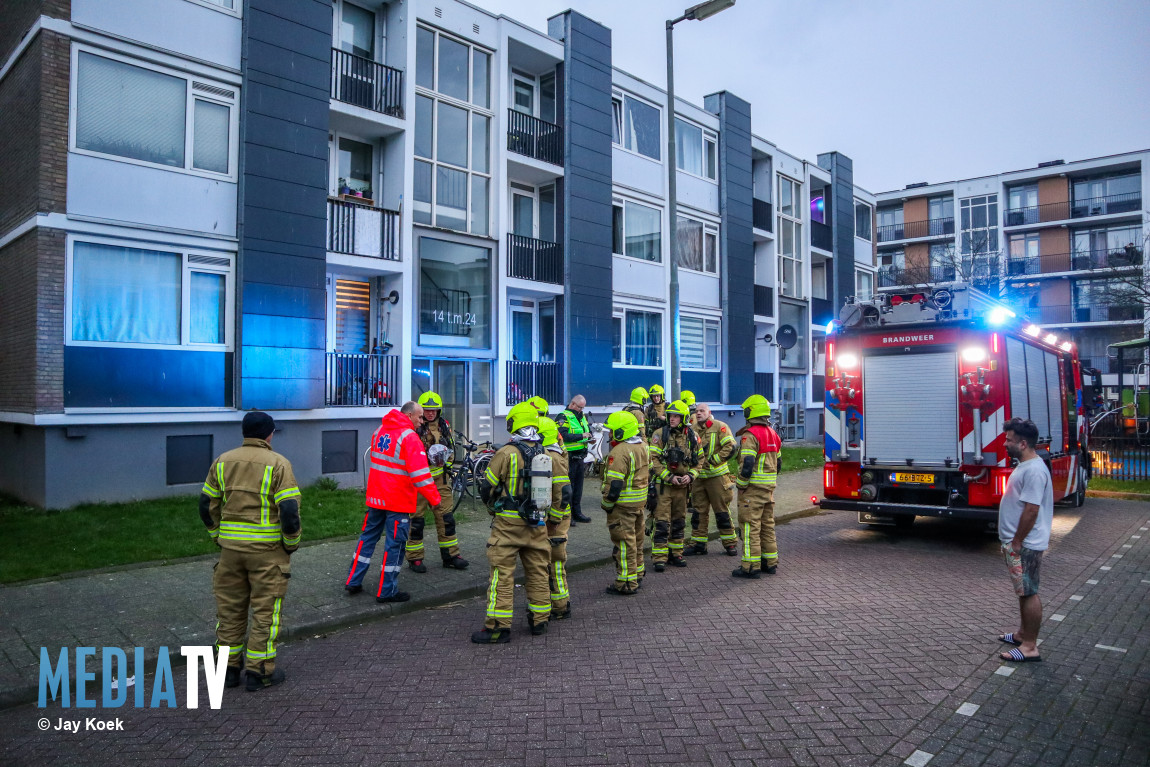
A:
[694, 13]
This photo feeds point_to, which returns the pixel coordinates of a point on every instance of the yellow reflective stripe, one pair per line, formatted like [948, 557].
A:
[615, 474]
[437, 471]
[448, 544]
[634, 495]
[294, 540]
[220, 480]
[539, 608]
[491, 477]
[208, 490]
[283, 495]
[624, 572]
[560, 480]
[510, 514]
[214, 533]
[249, 526]
[491, 595]
[513, 479]
[265, 488]
[275, 628]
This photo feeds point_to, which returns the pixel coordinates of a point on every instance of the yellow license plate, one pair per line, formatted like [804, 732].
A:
[912, 479]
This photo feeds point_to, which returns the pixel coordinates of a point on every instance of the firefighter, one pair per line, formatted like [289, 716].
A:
[558, 518]
[435, 430]
[540, 405]
[624, 493]
[635, 408]
[250, 505]
[656, 411]
[758, 467]
[674, 465]
[711, 490]
[688, 398]
[518, 529]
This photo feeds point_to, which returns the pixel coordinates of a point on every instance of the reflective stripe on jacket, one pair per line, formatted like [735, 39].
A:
[399, 467]
[246, 486]
[763, 444]
[718, 447]
[629, 462]
[575, 431]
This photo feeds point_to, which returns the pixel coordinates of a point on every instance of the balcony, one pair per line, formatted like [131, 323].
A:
[764, 301]
[1130, 202]
[535, 138]
[822, 311]
[913, 230]
[361, 380]
[1118, 258]
[362, 230]
[1083, 312]
[365, 83]
[890, 277]
[821, 237]
[761, 215]
[531, 259]
[529, 379]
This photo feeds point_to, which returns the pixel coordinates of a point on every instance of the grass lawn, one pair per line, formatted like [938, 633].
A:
[794, 459]
[1120, 485]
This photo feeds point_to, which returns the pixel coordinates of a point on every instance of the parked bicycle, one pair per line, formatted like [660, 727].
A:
[465, 476]
[598, 446]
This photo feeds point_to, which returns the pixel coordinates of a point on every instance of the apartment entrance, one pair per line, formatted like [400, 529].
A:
[464, 385]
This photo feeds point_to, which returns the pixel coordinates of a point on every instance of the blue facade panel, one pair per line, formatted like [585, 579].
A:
[627, 379]
[109, 376]
[707, 387]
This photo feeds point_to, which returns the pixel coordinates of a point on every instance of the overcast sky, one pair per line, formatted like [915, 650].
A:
[911, 90]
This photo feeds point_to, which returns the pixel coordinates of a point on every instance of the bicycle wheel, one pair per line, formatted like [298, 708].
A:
[478, 471]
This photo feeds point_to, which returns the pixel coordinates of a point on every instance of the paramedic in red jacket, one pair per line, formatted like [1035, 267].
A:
[398, 471]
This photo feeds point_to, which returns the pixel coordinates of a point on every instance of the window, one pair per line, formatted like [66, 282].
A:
[1023, 246]
[1022, 197]
[642, 341]
[864, 285]
[699, 343]
[451, 175]
[940, 208]
[1090, 191]
[636, 126]
[819, 280]
[229, 5]
[152, 116]
[794, 315]
[890, 223]
[354, 164]
[819, 206]
[617, 340]
[695, 149]
[789, 240]
[862, 221]
[942, 263]
[131, 295]
[979, 225]
[789, 197]
[637, 231]
[454, 294]
[698, 245]
[357, 31]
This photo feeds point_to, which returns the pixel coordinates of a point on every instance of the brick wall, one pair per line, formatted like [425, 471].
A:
[55, 66]
[20, 15]
[32, 318]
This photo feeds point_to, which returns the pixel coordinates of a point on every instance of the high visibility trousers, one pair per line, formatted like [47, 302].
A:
[444, 525]
[625, 525]
[557, 533]
[257, 581]
[670, 522]
[707, 495]
[511, 538]
[757, 526]
[395, 527]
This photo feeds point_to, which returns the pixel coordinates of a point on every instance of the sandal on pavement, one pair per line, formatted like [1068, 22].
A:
[1009, 639]
[1016, 656]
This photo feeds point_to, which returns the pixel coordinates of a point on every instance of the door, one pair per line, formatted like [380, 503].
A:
[523, 212]
[464, 385]
[793, 391]
[523, 94]
[522, 335]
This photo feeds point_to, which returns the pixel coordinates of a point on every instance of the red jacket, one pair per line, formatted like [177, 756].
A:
[398, 467]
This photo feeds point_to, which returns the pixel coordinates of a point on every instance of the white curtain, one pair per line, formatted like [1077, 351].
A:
[125, 295]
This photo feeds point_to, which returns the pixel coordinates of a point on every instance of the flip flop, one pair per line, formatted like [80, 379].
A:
[1016, 656]
[1009, 639]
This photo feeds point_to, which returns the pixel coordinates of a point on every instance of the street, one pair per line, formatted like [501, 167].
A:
[860, 651]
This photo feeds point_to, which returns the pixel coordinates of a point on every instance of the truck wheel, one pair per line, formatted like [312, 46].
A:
[903, 522]
[1080, 493]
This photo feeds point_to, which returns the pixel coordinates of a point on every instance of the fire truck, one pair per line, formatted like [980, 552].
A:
[918, 388]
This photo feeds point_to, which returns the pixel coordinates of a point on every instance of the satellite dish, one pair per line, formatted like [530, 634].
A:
[787, 336]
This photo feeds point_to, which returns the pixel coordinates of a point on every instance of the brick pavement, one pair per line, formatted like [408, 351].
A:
[857, 653]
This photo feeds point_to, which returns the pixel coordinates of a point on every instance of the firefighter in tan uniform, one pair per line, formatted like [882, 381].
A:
[435, 430]
[674, 465]
[687, 397]
[250, 505]
[518, 529]
[558, 518]
[624, 496]
[759, 458]
[712, 489]
[656, 411]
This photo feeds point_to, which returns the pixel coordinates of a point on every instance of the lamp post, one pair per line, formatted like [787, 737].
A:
[694, 13]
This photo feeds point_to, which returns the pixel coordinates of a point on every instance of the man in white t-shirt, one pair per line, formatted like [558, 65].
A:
[1024, 520]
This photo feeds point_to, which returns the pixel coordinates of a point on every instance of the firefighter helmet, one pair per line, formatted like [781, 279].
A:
[656, 389]
[521, 416]
[680, 409]
[540, 404]
[622, 425]
[431, 400]
[687, 398]
[638, 395]
[549, 431]
[756, 406]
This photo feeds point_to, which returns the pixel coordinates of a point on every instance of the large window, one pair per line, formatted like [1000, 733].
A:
[789, 198]
[635, 125]
[794, 315]
[454, 294]
[1103, 246]
[979, 225]
[1021, 197]
[696, 150]
[357, 31]
[790, 239]
[890, 219]
[940, 207]
[862, 220]
[639, 337]
[864, 285]
[698, 245]
[637, 231]
[131, 295]
[452, 172]
[699, 343]
[153, 115]
[1088, 191]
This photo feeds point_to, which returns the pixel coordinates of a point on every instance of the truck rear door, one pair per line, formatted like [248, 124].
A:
[910, 407]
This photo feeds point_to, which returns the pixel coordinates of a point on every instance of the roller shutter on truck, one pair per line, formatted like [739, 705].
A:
[1035, 390]
[910, 406]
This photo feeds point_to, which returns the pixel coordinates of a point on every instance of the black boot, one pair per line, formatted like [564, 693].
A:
[399, 596]
[537, 629]
[563, 615]
[739, 572]
[675, 561]
[491, 636]
[579, 516]
[769, 569]
[455, 562]
[263, 681]
[732, 550]
[660, 566]
[232, 677]
[695, 549]
[417, 566]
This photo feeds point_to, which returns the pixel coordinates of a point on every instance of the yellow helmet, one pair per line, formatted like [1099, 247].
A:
[656, 389]
[638, 395]
[540, 404]
[549, 430]
[687, 398]
[679, 408]
[431, 400]
[521, 416]
[756, 406]
[622, 425]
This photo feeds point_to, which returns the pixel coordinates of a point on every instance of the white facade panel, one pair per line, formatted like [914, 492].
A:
[864, 252]
[697, 193]
[188, 29]
[122, 191]
[637, 172]
[699, 290]
[916, 420]
[639, 278]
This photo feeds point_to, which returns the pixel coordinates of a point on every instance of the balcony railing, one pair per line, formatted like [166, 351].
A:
[1061, 211]
[361, 230]
[362, 380]
[889, 277]
[912, 230]
[366, 83]
[531, 259]
[821, 236]
[761, 215]
[764, 301]
[533, 137]
[1086, 312]
[765, 384]
[529, 379]
[1118, 258]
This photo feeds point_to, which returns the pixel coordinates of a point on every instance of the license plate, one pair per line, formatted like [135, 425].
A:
[912, 479]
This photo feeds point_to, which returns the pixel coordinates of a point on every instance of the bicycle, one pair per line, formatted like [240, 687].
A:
[465, 478]
[598, 446]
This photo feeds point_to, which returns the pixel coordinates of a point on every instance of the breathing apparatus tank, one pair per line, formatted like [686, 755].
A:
[540, 496]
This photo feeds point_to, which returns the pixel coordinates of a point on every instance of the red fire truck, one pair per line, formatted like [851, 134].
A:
[918, 387]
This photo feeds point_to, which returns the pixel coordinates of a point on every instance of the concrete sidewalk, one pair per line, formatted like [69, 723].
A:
[171, 605]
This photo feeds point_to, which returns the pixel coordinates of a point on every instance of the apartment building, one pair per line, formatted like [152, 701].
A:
[323, 208]
[1062, 243]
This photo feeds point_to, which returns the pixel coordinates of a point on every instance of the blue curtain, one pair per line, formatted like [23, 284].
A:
[125, 295]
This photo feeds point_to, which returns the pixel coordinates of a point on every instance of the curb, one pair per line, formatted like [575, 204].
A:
[1117, 495]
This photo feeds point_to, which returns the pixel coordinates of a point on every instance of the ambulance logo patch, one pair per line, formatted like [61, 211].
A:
[385, 443]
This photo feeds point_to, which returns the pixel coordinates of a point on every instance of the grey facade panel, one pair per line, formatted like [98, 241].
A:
[842, 224]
